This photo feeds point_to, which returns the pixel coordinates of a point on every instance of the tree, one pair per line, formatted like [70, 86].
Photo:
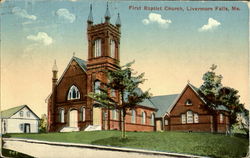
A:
[216, 94]
[125, 82]
[43, 124]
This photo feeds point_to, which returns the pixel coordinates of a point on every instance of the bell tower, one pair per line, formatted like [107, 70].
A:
[103, 54]
[103, 42]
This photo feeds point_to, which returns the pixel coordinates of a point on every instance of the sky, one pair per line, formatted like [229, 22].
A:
[173, 43]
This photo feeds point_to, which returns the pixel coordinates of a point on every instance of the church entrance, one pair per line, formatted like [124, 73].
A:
[73, 118]
[97, 116]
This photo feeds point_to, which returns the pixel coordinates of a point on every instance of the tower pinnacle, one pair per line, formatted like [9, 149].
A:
[90, 17]
[54, 68]
[107, 14]
[118, 21]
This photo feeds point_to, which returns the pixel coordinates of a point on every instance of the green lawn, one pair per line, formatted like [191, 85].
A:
[14, 154]
[205, 144]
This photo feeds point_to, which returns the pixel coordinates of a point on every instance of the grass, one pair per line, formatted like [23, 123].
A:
[204, 144]
[14, 154]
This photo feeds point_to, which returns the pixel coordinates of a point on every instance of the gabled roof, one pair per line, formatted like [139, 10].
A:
[80, 62]
[163, 103]
[148, 103]
[12, 111]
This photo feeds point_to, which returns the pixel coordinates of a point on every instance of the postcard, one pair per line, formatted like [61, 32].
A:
[124, 78]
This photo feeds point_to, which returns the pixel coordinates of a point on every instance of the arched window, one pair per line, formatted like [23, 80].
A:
[83, 114]
[97, 87]
[166, 122]
[196, 118]
[73, 93]
[98, 48]
[114, 114]
[133, 116]
[143, 119]
[61, 115]
[190, 117]
[112, 49]
[221, 118]
[183, 118]
[188, 102]
[152, 119]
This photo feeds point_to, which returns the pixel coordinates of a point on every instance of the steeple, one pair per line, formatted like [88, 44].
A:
[107, 14]
[118, 21]
[54, 68]
[54, 78]
[90, 18]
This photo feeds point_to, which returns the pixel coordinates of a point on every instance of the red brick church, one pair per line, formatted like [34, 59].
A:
[69, 109]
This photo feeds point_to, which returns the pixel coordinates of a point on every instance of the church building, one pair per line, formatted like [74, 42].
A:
[69, 108]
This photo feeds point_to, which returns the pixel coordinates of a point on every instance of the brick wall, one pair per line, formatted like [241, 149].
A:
[74, 75]
[197, 106]
[137, 126]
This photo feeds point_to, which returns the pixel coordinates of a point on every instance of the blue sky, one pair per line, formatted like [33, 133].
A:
[171, 47]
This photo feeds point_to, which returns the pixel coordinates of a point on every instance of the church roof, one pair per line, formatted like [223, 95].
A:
[163, 103]
[81, 62]
[148, 103]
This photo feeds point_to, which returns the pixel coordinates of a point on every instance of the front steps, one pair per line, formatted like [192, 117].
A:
[69, 129]
[93, 128]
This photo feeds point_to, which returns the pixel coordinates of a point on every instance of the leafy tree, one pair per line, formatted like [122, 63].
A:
[125, 82]
[43, 124]
[216, 94]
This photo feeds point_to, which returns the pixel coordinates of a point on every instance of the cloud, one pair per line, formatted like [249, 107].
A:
[211, 25]
[156, 18]
[23, 13]
[73, 0]
[41, 37]
[65, 14]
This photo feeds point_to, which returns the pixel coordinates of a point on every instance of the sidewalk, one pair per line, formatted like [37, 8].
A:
[44, 149]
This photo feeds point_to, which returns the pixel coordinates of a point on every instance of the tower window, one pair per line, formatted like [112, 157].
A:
[112, 49]
[73, 93]
[97, 87]
[98, 47]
